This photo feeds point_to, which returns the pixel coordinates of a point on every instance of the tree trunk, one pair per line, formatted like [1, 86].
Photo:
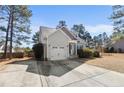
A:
[7, 33]
[11, 32]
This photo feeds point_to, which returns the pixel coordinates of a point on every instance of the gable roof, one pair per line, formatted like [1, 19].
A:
[118, 41]
[46, 31]
[67, 32]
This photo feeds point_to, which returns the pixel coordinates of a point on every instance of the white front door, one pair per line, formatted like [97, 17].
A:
[58, 53]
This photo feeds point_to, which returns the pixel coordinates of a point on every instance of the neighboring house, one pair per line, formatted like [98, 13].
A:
[118, 45]
[59, 44]
[18, 49]
[2, 47]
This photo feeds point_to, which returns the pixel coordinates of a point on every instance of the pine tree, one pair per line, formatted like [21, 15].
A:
[35, 38]
[61, 24]
[18, 19]
[117, 18]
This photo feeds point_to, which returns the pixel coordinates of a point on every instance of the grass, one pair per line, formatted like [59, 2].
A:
[113, 62]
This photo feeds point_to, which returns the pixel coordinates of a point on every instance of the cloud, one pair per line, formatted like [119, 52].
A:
[95, 30]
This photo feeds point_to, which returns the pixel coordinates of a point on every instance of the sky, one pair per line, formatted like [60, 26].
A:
[95, 18]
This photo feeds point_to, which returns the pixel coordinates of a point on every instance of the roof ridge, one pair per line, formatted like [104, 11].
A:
[67, 32]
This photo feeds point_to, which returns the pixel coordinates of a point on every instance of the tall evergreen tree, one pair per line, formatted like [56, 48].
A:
[117, 18]
[105, 39]
[80, 30]
[18, 24]
[5, 15]
[61, 24]
[82, 33]
[101, 40]
[35, 38]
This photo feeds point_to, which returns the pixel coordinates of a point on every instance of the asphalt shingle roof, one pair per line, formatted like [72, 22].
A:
[66, 31]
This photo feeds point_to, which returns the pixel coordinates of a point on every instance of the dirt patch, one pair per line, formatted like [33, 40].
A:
[114, 62]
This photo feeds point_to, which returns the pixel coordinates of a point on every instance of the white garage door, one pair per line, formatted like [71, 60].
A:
[58, 53]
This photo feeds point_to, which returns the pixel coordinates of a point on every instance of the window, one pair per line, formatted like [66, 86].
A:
[45, 38]
[78, 41]
[61, 47]
[54, 47]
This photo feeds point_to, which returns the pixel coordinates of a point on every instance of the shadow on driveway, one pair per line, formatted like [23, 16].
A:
[47, 68]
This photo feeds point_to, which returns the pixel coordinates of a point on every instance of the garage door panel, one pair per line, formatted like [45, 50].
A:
[58, 53]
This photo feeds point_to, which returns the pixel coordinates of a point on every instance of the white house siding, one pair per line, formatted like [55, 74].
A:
[57, 40]
[44, 33]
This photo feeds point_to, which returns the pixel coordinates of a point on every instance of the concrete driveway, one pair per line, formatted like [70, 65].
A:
[69, 73]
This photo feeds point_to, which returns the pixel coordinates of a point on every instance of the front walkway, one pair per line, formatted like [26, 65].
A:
[62, 73]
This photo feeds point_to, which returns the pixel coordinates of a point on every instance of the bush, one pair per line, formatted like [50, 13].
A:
[14, 55]
[119, 50]
[111, 50]
[30, 54]
[38, 51]
[1, 55]
[84, 53]
[106, 50]
[87, 53]
[18, 55]
[96, 54]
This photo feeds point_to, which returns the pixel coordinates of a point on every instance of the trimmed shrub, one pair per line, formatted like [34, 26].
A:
[84, 53]
[96, 54]
[38, 51]
[87, 52]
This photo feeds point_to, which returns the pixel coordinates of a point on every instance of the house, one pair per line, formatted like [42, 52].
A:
[118, 45]
[59, 44]
[18, 49]
[2, 47]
